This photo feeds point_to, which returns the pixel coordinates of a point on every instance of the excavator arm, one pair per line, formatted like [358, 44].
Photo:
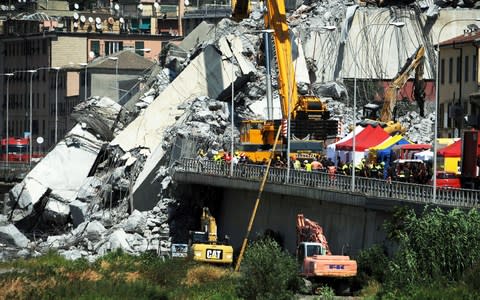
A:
[205, 246]
[209, 225]
[415, 62]
[240, 9]
[310, 231]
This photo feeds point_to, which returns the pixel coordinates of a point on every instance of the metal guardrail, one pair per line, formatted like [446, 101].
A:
[408, 192]
[13, 171]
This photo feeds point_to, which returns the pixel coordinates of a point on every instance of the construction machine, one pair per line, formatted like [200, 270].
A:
[315, 256]
[240, 9]
[385, 118]
[310, 122]
[205, 246]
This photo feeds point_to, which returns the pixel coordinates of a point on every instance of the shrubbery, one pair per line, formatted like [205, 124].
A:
[438, 256]
[436, 245]
[267, 272]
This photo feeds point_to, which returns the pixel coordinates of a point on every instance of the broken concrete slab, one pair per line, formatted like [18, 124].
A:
[135, 222]
[56, 212]
[207, 74]
[11, 235]
[63, 170]
[94, 231]
[117, 240]
[71, 254]
[89, 188]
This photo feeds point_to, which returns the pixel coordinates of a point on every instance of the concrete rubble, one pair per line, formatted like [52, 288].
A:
[107, 185]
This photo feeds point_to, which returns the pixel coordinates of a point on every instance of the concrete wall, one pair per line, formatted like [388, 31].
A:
[343, 225]
[67, 50]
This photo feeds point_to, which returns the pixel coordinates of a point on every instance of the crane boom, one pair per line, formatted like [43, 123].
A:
[276, 19]
[414, 62]
[294, 105]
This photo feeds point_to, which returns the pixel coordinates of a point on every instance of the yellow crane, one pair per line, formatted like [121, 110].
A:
[310, 118]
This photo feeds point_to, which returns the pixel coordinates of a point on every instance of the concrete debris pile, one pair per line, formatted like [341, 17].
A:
[108, 183]
[78, 198]
[419, 130]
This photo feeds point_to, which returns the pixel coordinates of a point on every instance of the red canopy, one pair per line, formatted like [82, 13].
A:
[367, 138]
[453, 150]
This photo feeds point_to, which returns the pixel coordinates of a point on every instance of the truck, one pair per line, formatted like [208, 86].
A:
[310, 122]
[317, 263]
[205, 245]
[470, 159]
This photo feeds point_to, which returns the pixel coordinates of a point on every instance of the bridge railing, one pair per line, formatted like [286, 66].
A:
[13, 171]
[408, 192]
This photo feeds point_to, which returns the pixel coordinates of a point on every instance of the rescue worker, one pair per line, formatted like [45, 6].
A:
[235, 160]
[278, 162]
[200, 153]
[227, 157]
[243, 158]
[217, 157]
[379, 168]
[345, 169]
[316, 165]
[308, 166]
[331, 171]
[297, 165]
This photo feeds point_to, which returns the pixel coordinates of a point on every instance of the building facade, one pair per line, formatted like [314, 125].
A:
[459, 105]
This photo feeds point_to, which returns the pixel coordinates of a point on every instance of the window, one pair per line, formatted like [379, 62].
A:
[459, 69]
[45, 47]
[442, 70]
[139, 45]
[112, 47]
[95, 47]
[467, 65]
[474, 68]
[450, 70]
[441, 114]
[450, 120]
[144, 25]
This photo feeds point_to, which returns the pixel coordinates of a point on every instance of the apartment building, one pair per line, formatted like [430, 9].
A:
[49, 46]
[459, 105]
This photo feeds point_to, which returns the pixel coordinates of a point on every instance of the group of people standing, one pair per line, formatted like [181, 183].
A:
[320, 163]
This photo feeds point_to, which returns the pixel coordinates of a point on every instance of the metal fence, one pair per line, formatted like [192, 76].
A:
[415, 193]
[13, 171]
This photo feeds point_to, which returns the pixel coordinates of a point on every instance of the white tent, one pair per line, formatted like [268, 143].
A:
[424, 155]
[331, 149]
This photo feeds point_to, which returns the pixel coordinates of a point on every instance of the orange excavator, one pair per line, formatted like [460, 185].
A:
[315, 256]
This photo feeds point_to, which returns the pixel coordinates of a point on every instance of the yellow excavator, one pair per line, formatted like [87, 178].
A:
[205, 246]
[310, 122]
[385, 118]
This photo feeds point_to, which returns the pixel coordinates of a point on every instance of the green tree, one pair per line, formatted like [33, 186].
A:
[267, 272]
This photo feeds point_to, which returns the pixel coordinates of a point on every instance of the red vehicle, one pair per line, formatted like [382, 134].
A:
[470, 160]
[447, 180]
[18, 149]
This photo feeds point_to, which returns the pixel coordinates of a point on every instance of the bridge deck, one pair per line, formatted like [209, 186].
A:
[369, 187]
